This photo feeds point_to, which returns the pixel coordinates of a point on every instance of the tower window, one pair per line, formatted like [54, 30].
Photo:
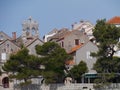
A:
[7, 45]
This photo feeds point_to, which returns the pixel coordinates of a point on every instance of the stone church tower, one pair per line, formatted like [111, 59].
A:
[30, 29]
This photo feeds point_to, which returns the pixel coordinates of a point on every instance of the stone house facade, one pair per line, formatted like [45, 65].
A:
[82, 53]
[31, 46]
[60, 33]
[72, 39]
[84, 26]
[8, 46]
[4, 36]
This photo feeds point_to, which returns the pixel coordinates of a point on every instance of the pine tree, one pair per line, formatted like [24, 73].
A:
[107, 39]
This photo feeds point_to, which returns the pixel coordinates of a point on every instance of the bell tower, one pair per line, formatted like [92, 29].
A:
[30, 29]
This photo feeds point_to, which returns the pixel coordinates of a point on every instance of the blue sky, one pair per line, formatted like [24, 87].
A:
[52, 14]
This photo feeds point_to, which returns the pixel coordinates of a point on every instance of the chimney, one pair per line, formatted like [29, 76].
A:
[72, 26]
[14, 35]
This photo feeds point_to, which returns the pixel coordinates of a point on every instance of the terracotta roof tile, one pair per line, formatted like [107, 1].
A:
[70, 62]
[114, 20]
[75, 48]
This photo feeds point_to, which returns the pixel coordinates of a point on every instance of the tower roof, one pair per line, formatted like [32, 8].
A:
[30, 29]
[30, 24]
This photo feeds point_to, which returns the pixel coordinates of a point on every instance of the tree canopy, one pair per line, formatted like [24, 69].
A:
[107, 36]
[53, 59]
[50, 63]
[23, 66]
[78, 70]
[107, 39]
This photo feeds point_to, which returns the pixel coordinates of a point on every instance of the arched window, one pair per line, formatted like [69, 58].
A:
[5, 82]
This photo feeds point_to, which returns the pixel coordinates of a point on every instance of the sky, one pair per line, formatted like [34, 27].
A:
[52, 14]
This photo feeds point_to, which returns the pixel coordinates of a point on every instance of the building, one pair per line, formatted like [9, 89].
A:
[31, 45]
[114, 20]
[30, 35]
[72, 39]
[84, 26]
[30, 30]
[82, 53]
[7, 47]
[29, 39]
[4, 36]
[58, 34]
[78, 44]
[49, 35]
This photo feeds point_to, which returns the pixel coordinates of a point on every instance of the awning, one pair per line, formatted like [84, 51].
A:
[90, 75]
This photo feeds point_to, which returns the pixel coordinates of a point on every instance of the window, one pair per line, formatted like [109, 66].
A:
[7, 45]
[33, 31]
[3, 57]
[11, 50]
[76, 41]
[4, 50]
[62, 44]
[82, 30]
[88, 55]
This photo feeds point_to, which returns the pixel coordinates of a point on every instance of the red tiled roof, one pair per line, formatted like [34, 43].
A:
[114, 20]
[75, 48]
[70, 62]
